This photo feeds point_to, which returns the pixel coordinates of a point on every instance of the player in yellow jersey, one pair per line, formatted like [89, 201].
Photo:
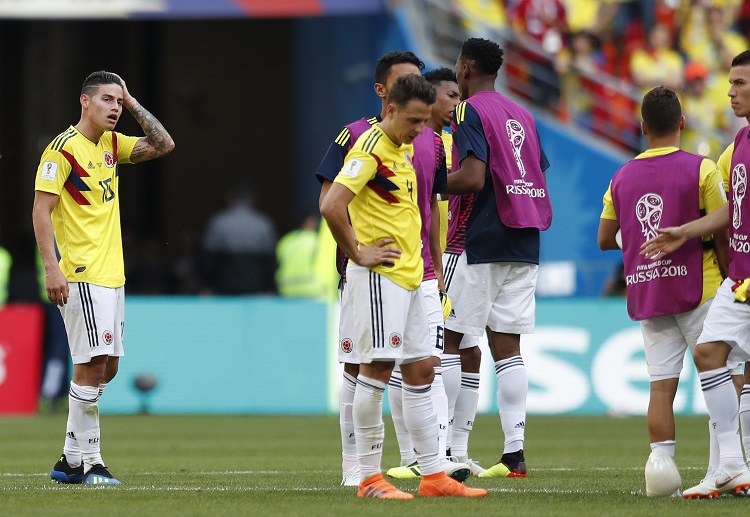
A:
[76, 213]
[376, 188]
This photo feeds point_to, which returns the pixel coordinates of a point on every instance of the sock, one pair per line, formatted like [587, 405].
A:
[452, 382]
[419, 416]
[397, 415]
[84, 416]
[346, 422]
[464, 415]
[440, 403]
[369, 431]
[667, 447]
[723, 408]
[102, 387]
[745, 419]
[713, 448]
[71, 448]
[512, 388]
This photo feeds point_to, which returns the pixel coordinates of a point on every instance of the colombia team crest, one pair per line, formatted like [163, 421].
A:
[395, 340]
[108, 337]
[109, 160]
[347, 346]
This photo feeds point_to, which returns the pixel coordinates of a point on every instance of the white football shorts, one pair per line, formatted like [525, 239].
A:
[94, 321]
[498, 295]
[434, 310]
[347, 352]
[390, 322]
[728, 321]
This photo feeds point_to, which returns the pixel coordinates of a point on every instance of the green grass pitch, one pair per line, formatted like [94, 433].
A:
[290, 465]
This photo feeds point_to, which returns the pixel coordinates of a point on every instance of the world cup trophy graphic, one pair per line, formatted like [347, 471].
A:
[648, 210]
[739, 187]
[517, 136]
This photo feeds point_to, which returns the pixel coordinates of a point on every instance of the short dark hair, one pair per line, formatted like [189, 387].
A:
[742, 59]
[411, 87]
[92, 83]
[661, 111]
[487, 54]
[437, 76]
[395, 57]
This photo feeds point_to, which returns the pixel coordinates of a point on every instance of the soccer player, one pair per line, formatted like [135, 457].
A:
[500, 160]
[390, 66]
[726, 329]
[76, 209]
[377, 189]
[665, 186]
[430, 166]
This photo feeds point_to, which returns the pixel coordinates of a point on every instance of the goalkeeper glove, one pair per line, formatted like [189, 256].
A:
[446, 304]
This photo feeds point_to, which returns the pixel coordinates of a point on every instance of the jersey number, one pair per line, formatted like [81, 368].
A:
[108, 194]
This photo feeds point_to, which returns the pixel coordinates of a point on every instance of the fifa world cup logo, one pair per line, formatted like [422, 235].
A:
[517, 136]
[739, 187]
[648, 210]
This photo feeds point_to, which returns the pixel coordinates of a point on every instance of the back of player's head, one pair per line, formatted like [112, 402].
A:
[487, 55]
[92, 83]
[411, 87]
[742, 59]
[395, 57]
[661, 111]
[437, 76]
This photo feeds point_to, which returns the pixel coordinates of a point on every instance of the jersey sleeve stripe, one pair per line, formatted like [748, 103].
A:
[64, 141]
[343, 137]
[371, 142]
[62, 136]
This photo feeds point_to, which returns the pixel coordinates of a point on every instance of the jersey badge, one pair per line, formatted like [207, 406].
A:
[49, 171]
[352, 167]
[109, 160]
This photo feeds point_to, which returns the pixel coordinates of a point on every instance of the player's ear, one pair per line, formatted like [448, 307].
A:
[644, 130]
[84, 100]
[682, 123]
[380, 90]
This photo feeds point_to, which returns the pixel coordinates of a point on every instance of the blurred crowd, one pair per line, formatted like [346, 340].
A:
[590, 62]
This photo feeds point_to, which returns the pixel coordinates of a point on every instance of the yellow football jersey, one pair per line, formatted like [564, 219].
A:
[86, 220]
[382, 177]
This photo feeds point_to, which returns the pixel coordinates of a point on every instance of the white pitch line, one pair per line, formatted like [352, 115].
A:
[296, 489]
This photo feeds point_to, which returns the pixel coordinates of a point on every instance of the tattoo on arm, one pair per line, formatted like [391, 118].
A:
[157, 141]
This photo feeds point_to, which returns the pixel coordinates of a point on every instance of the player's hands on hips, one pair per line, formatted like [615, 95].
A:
[127, 100]
[668, 240]
[378, 254]
[57, 288]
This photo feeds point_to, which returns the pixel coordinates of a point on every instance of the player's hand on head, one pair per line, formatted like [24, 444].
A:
[127, 99]
[378, 254]
[668, 240]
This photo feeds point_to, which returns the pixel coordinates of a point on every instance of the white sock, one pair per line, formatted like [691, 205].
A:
[84, 415]
[346, 422]
[440, 403]
[71, 449]
[464, 415]
[419, 416]
[369, 430]
[723, 408]
[452, 382]
[713, 448]
[512, 388]
[397, 415]
[666, 447]
[102, 387]
[745, 419]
